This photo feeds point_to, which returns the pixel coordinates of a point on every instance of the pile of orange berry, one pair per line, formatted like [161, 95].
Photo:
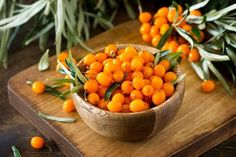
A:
[142, 84]
[154, 27]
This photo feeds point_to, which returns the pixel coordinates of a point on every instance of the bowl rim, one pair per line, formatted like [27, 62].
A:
[180, 86]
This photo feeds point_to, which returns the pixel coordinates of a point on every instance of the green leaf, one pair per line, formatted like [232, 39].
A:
[197, 68]
[111, 89]
[232, 55]
[107, 23]
[220, 77]
[63, 80]
[196, 32]
[16, 152]
[157, 58]
[180, 78]
[54, 92]
[44, 61]
[199, 5]
[164, 53]
[185, 35]
[54, 118]
[164, 38]
[129, 10]
[175, 5]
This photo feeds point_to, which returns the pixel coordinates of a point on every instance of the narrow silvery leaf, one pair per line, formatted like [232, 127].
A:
[199, 5]
[180, 78]
[226, 26]
[232, 55]
[44, 61]
[54, 118]
[129, 10]
[185, 35]
[157, 58]
[16, 152]
[205, 69]
[211, 56]
[198, 70]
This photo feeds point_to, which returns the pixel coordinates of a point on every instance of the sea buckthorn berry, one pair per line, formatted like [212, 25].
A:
[120, 51]
[144, 55]
[137, 74]
[114, 106]
[137, 105]
[164, 28]
[136, 94]
[125, 56]
[128, 76]
[158, 97]
[109, 67]
[184, 48]
[159, 70]
[147, 71]
[147, 81]
[62, 56]
[119, 98]
[138, 83]
[145, 28]
[159, 22]
[93, 98]
[171, 15]
[68, 106]
[170, 76]
[150, 64]
[110, 50]
[165, 47]
[156, 39]
[163, 12]
[146, 106]
[173, 45]
[97, 66]
[38, 87]
[100, 57]
[156, 82]
[107, 61]
[148, 90]
[103, 104]
[151, 58]
[194, 55]
[131, 51]
[104, 79]
[147, 37]
[91, 74]
[202, 36]
[187, 28]
[165, 63]
[195, 13]
[125, 108]
[154, 31]
[136, 64]
[117, 62]
[181, 40]
[180, 10]
[37, 142]
[67, 85]
[208, 86]
[91, 86]
[118, 75]
[145, 17]
[127, 100]
[89, 59]
[148, 99]
[102, 90]
[168, 88]
[127, 87]
[126, 67]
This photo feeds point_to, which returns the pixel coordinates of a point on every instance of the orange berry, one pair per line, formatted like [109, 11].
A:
[194, 55]
[136, 64]
[168, 88]
[102, 90]
[146, 106]
[171, 15]
[116, 92]
[118, 76]
[103, 104]
[147, 81]
[158, 97]
[147, 71]
[129, 76]
[93, 98]
[107, 61]
[91, 86]
[170, 76]
[137, 74]
[138, 83]
[91, 74]
[109, 67]
[127, 100]
[156, 82]
[89, 59]
[159, 22]
[184, 48]
[118, 97]
[147, 37]
[114, 106]
[130, 50]
[173, 45]
[104, 79]
[181, 40]
[159, 70]
[125, 108]
[38, 87]
[100, 57]
[127, 87]
[68, 106]
[154, 31]
[145, 17]
[156, 39]
[120, 51]
[187, 28]
[97, 66]
[144, 55]
[163, 12]
[62, 56]
[117, 62]
[165, 63]
[165, 47]
[137, 105]
[202, 36]
[148, 90]
[125, 56]
[195, 13]
[180, 10]
[37, 142]
[208, 86]
[126, 66]
[145, 28]
[151, 58]
[110, 50]
[136, 94]
[164, 28]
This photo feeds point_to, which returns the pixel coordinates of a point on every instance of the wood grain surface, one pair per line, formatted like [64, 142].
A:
[203, 121]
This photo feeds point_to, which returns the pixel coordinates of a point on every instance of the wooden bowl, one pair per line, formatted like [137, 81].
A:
[131, 126]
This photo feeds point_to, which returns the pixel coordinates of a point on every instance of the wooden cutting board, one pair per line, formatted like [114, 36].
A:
[203, 121]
